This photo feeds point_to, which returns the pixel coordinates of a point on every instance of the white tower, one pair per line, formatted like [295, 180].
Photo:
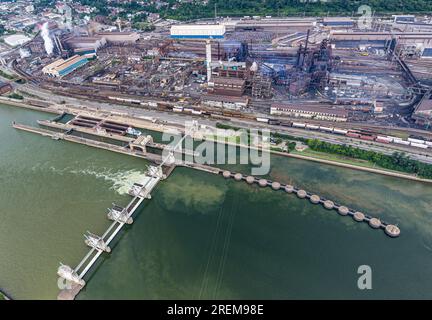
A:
[208, 59]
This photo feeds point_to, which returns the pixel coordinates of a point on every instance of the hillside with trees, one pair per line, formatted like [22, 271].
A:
[196, 9]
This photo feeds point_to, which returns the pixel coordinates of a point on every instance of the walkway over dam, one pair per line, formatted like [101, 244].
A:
[142, 190]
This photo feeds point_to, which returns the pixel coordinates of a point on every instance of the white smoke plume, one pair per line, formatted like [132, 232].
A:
[49, 46]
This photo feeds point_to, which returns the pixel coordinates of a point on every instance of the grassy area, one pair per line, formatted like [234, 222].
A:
[334, 157]
[16, 96]
[6, 75]
[228, 139]
[342, 159]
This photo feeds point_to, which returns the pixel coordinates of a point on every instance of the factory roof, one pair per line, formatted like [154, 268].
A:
[83, 39]
[116, 33]
[312, 108]
[54, 64]
[327, 19]
[427, 52]
[339, 23]
[197, 31]
[225, 80]
[117, 36]
[84, 49]
[69, 62]
[198, 26]
[404, 18]
[72, 66]
[380, 35]
[16, 40]
[63, 67]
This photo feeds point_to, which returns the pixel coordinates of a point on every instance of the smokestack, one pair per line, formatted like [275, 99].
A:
[209, 59]
[49, 46]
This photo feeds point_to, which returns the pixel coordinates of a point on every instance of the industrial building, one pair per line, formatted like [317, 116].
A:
[424, 38]
[404, 18]
[423, 112]
[338, 22]
[94, 43]
[228, 86]
[87, 52]
[61, 68]
[427, 53]
[119, 37]
[309, 111]
[204, 31]
[230, 69]
[16, 40]
[227, 102]
[5, 87]
[276, 24]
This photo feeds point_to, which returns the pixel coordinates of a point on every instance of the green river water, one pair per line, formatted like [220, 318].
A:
[203, 237]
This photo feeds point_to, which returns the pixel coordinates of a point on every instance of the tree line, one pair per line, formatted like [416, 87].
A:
[196, 9]
[398, 161]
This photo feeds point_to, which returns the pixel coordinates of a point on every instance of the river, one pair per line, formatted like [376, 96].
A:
[203, 237]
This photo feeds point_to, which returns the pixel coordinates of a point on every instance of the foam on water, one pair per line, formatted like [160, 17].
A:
[121, 180]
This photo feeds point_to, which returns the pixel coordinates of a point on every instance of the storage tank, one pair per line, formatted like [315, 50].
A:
[198, 31]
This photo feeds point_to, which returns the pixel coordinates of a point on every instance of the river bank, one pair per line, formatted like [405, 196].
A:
[317, 159]
[344, 165]
[19, 104]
